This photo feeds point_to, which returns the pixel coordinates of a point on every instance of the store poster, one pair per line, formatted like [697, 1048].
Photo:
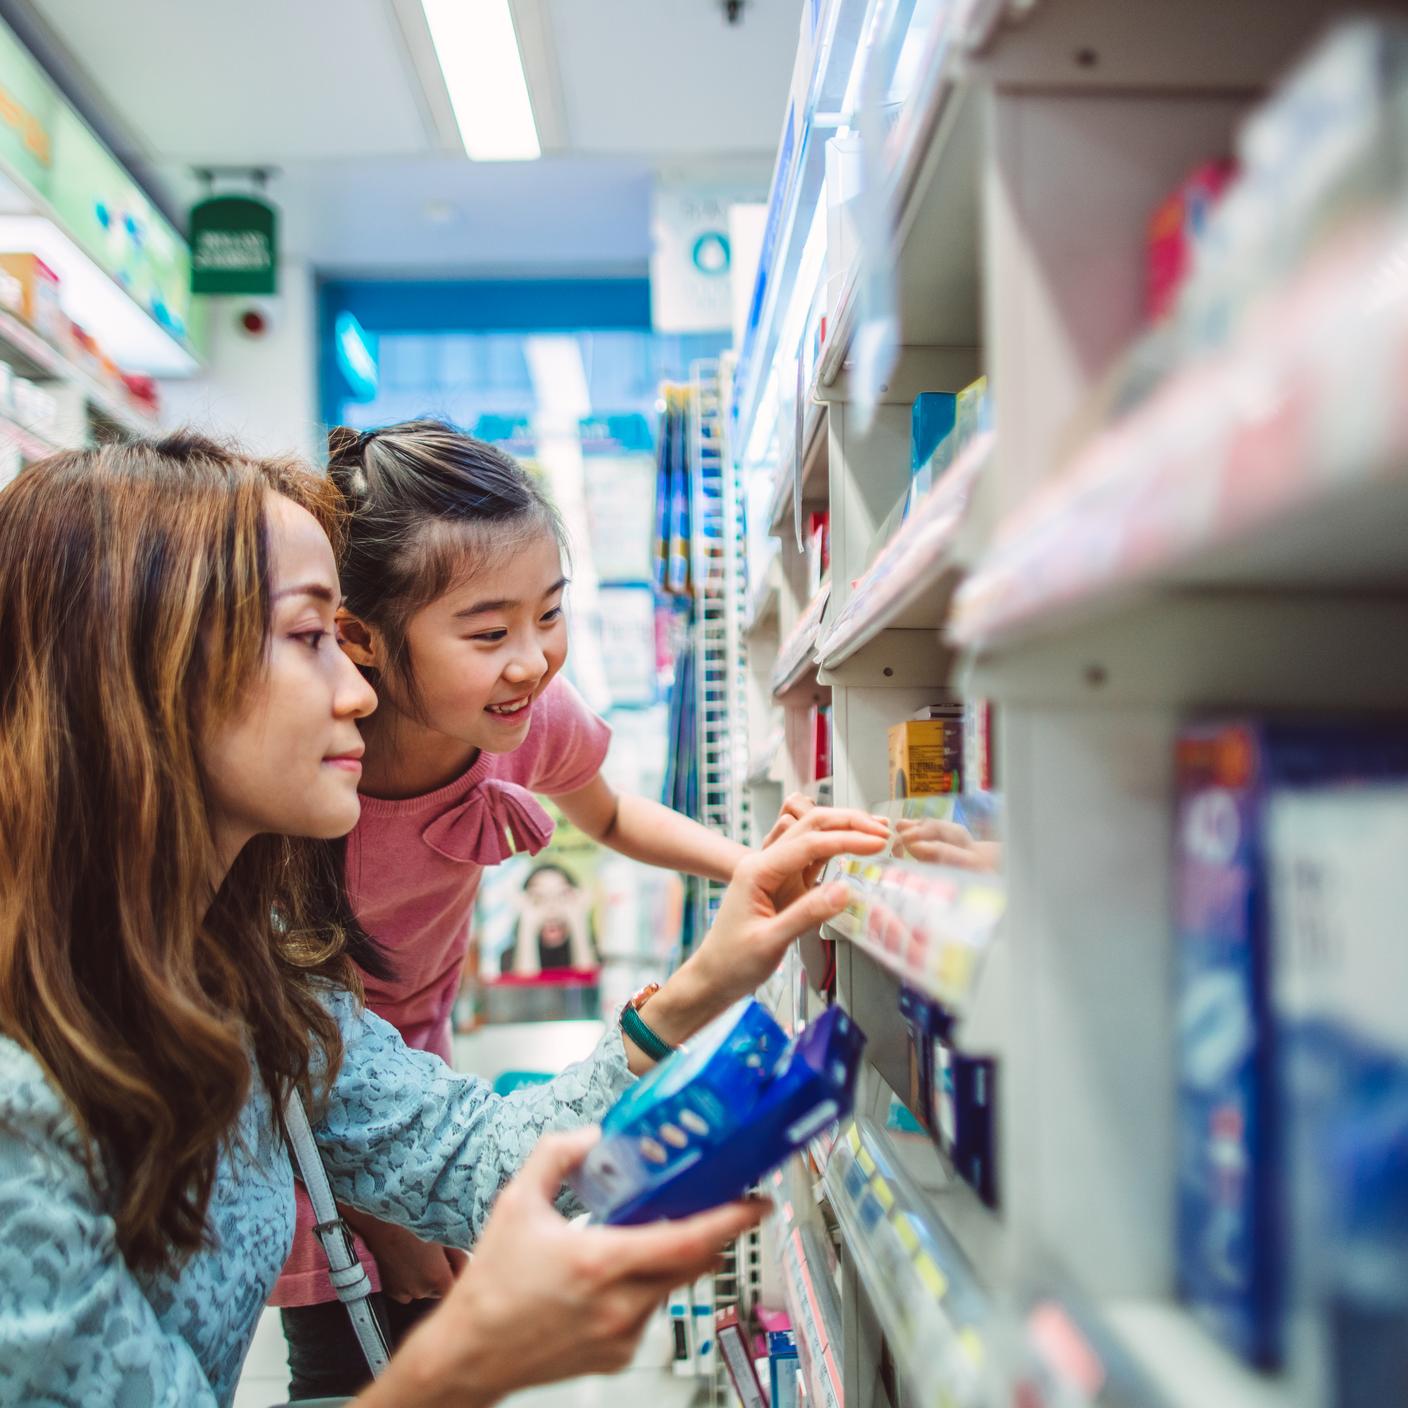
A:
[48, 148]
[691, 262]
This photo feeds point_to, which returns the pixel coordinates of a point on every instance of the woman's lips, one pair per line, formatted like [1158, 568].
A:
[348, 762]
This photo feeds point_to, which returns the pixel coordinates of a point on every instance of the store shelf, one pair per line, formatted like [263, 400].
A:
[796, 191]
[31, 446]
[766, 594]
[814, 461]
[1183, 1365]
[930, 1305]
[33, 356]
[933, 186]
[930, 926]
[1257, 469]
[796, 658]
[909, 584]
[811, 1297]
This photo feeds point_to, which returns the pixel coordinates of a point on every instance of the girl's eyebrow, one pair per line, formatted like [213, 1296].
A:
[483, 608]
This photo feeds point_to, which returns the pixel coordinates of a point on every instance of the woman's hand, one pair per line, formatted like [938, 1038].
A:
[410, 1269]
[543, 1300]
[768, 903]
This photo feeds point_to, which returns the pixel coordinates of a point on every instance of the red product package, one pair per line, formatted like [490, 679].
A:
[1174, 231]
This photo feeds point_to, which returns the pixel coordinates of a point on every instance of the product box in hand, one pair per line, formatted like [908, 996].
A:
[1339, 897]
[1228, 1250]
[709, 1121]
[926, 753]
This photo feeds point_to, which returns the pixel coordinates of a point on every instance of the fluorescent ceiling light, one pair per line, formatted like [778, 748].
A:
[479, 56]
[121, 327]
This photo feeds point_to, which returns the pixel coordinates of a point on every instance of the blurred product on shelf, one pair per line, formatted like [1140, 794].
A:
[797, 653]
[1176, 231]
[926, 753]
[979, 771]
[821, 752]
[29, 288]
[783, 1371]
[1231, 1247]
[716, 1116]
[818, 545]
[931, 926]
[738, 1359]
[1339, 894]
[972, 414]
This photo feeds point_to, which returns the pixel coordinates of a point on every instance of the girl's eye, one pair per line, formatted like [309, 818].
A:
[312, 639]
[550, 616]
[490, 637]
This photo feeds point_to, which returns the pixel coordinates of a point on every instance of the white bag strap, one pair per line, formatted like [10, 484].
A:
[349, 1276]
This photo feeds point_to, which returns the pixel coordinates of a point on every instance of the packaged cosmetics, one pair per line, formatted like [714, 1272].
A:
[926, 753]
[1228, 1252]
[717, 1115]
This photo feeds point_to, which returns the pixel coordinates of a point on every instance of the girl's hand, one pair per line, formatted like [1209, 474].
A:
[410, 1269]
[543, 1300]
[945, 843]
[768, 903]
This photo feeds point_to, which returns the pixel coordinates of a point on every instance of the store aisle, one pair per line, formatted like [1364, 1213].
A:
[265, 1380]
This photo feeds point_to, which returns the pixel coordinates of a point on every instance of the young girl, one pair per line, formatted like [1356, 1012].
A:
[172, 703]
[452, 565]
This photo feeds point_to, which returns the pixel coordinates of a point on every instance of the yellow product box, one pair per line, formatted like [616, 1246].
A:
[30, 289]
[926, 758]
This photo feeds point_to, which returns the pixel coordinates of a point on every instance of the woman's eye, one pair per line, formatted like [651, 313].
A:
[312, 639]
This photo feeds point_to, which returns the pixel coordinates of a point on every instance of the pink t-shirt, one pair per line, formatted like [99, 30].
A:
[413, 870]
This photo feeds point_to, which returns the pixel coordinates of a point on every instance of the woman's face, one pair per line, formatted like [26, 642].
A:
[288, 761]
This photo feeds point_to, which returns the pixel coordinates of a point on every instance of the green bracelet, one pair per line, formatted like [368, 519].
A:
[633, 1024]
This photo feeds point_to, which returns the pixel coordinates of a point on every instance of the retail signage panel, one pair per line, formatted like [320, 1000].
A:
[234, 247]
[691, 262]
[51, 152]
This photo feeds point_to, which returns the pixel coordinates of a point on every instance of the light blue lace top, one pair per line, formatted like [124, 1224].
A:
[404, 1139]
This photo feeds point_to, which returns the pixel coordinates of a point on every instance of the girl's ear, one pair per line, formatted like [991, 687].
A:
[358, 640]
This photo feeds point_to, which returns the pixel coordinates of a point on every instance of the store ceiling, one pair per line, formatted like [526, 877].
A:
[344, 97]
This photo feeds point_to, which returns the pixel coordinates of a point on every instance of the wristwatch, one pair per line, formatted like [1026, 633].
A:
[634, 1025]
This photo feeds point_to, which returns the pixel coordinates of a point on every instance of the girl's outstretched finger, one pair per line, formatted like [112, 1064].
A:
[814, 908]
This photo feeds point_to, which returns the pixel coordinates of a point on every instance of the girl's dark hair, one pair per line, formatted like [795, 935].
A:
[424, 503]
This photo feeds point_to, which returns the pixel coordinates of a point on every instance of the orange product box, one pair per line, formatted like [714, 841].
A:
[926, 758]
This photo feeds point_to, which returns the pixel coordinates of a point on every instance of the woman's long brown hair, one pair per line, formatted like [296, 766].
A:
[134, 614]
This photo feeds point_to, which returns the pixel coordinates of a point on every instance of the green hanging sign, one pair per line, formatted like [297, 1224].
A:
[234, 249]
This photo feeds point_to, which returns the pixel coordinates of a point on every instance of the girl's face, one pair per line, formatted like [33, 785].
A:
[486, 649]
[288, 762]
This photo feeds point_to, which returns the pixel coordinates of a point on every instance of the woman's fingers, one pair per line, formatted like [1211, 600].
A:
[671, 1251]
[805, 914]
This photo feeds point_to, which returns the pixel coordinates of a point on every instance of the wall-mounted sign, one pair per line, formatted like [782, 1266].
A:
[82, 188]
[692, 261]
[355, 348]
[234, 246]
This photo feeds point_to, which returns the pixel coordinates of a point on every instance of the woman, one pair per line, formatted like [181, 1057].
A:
[172, 705]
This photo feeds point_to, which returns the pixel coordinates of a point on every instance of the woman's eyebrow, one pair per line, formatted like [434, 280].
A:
[320, 591]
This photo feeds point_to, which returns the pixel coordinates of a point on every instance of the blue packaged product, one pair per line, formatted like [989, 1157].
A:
[712, 1119]
[964, 1123]
[932, 418]
[1229, 1253]
[784, 1370]
[921, 1018]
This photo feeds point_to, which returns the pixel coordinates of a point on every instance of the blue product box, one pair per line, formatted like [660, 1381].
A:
[964, 1117]
[784, 1371]
[932, 419]
[711, 1120]
[921, 1018]
[1229, 1199]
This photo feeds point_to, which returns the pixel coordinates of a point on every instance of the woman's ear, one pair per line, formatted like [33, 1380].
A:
[359, 641]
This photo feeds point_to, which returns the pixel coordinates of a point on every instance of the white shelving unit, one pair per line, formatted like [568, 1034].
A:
[1020, 173]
